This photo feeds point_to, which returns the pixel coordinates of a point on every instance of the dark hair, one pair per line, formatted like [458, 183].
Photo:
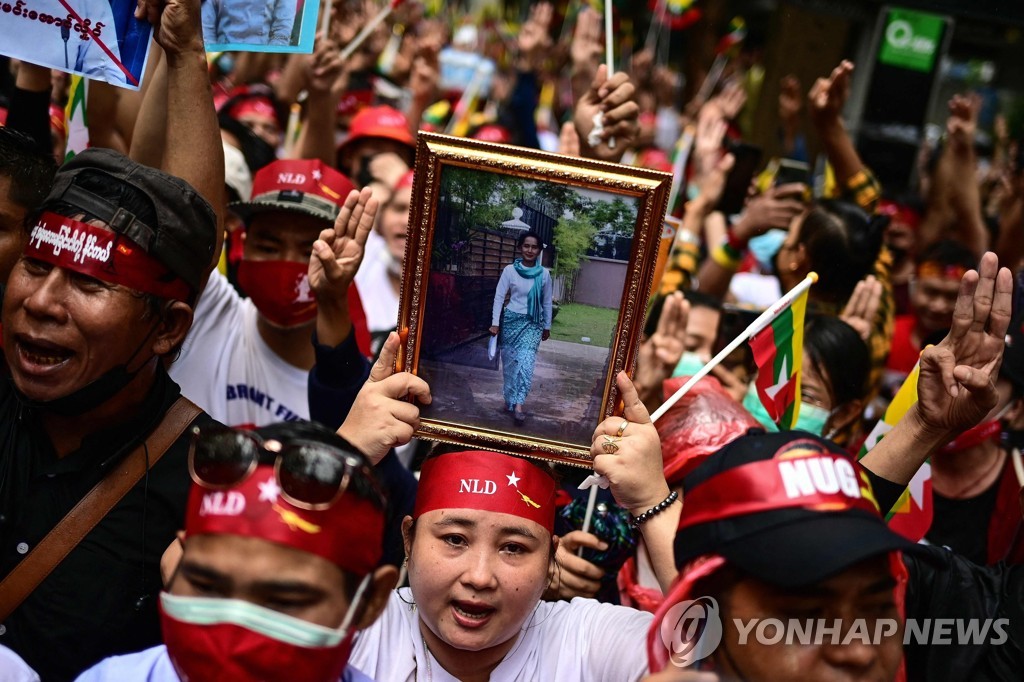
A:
[948, 252]
[31, 172]
[366, 489]
[842, 243]
[838, 354]
[526, 235]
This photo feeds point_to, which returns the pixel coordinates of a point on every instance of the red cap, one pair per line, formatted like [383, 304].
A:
[261, 106]
[376, 122]
[493, 133]
[655, 159]
[349, 533]
[305, 185]
[487, 481]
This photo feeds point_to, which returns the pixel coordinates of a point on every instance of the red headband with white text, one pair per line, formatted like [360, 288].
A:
[816, 481]
[103, 254]
[487, 481]
[349, 533]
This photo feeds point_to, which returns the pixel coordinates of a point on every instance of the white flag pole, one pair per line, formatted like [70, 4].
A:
[762, 321]
[609, 54]
[368, 29]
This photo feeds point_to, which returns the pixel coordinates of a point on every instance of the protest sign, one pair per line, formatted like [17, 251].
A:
[98, 39]
[260, 25]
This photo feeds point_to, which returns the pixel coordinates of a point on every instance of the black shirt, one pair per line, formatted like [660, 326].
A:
[102, 599]
[962, 525]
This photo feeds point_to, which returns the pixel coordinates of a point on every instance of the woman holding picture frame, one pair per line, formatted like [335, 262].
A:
[525, 322]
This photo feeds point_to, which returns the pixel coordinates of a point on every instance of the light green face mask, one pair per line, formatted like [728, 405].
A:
[689, 365]
[811, 418]
[258, 619]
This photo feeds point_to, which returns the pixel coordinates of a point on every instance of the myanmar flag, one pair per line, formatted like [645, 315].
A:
[74, 114]
[911, 516]
[736, 35]
[778, 353]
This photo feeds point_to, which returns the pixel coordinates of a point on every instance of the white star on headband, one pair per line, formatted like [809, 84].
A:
[513, 479]
[269, 490]
[317, 175]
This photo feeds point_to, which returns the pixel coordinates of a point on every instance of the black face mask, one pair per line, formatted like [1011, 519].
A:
[96, 392]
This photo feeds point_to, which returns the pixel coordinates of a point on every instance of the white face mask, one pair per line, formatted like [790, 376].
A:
[267, 622]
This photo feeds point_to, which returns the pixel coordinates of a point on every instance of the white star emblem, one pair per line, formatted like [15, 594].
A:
[269, 490]
[317, 175]
[513, 479]
[784, 379]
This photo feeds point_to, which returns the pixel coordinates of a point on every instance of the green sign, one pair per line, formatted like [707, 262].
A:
[911, 39]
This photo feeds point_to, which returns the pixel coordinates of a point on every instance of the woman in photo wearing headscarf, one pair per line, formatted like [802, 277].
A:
[526, 320]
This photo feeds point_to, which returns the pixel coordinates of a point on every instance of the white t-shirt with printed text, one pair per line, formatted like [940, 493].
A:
[227, 369]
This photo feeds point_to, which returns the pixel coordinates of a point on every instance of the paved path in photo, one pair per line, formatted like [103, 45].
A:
[563, 404]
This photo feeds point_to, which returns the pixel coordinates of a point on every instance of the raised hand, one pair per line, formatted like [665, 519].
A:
[177, 26]
[861, 309]
[586, 47]
[956, 388]
[790, 101]
[324, 66]
[381, 418]
[634, 468]
[613, 98]
[339, 250]
[774, 209]
[660, 354]
[535, 36]
[963, 121]
[828, 95]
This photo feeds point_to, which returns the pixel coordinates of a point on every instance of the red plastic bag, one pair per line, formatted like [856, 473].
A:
[703, 421]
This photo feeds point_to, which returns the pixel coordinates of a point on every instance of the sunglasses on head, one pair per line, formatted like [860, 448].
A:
[311, 474]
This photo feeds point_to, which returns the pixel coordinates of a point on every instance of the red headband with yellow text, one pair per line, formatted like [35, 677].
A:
[349, 533]
[102, 254]
[487, 481]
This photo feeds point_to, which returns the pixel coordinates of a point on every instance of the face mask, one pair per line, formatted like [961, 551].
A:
[689, 365]
[229, 639]
[279, 289]
[96, 392]
[811, 418]
[766, 246]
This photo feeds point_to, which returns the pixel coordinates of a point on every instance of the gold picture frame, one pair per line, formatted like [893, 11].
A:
[456, 246]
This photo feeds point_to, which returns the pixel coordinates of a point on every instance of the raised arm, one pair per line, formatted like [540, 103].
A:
[826, 101]
[956, 388]
[954, 199]
[627, 451]
[193, 148]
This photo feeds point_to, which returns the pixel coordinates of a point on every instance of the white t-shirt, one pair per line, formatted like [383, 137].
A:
[380, 302]
[760, 291]
[13, 669]
[578, 641]
[154, 665]
[227, 369]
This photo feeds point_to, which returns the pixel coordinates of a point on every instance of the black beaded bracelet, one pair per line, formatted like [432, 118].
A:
[655, 510]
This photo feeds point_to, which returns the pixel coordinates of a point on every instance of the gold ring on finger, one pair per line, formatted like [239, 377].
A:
[610, 445]
[622, 427]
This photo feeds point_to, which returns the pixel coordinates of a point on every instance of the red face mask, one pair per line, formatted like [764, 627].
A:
[279, 289]
[224, 639]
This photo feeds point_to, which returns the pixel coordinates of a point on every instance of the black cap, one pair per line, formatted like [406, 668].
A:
[788, 547]
[185, 232]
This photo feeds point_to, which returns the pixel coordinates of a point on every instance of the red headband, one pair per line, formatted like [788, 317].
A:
[404, 181]
[939, 271]
[904, 214]
[823, 482]
[259, 106]
[102, 253]
[349, 533]
[487, 481]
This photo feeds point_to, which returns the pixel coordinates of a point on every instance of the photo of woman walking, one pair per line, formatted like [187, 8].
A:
[526, 320]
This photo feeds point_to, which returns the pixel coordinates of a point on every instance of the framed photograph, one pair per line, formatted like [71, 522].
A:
[526, 279]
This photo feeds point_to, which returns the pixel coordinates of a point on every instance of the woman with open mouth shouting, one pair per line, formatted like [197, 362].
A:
[480, 552]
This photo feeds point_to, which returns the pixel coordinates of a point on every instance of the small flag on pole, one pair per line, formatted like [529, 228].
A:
[911, 516]
[737, 33]
[78, 124]
[778, 354]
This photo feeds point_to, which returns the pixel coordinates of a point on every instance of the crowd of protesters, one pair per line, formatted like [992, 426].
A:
[200, 397]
